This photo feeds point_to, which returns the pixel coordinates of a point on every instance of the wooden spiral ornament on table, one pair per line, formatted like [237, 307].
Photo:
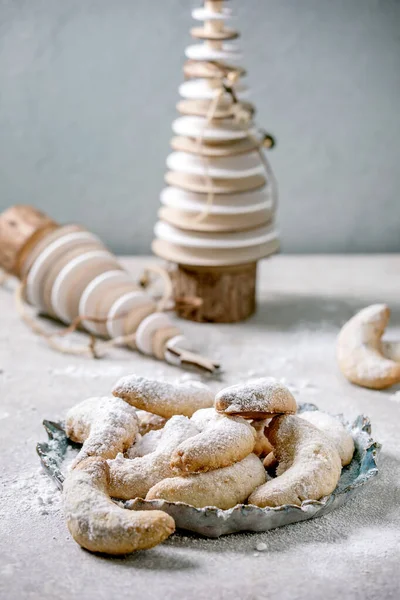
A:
[217, 214]
[67, 273]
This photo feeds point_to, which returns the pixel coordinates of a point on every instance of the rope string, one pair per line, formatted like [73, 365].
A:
[95, 348]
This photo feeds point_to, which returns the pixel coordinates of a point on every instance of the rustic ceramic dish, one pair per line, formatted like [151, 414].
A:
[213, 522]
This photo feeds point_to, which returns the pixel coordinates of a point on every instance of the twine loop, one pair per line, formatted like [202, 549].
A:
[242, 115]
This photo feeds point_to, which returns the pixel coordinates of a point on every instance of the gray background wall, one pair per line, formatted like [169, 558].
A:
[87, 96]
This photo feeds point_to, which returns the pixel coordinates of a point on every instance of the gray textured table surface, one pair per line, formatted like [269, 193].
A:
[352, 553]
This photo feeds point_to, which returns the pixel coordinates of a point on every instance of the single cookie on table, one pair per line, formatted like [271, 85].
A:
[257, 399]
[105, 426]
[221, 442]
[132, 478]
[335, 430]
[309, 464]
[223, 488]
[163, 398]
[360, 353]
[98, 524]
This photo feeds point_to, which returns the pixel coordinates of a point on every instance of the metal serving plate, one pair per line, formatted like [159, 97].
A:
[213, 522]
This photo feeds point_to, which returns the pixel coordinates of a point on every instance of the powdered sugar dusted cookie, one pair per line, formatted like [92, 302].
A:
[256, 399]
[163, 398]
[334, 429]
[144, 444]
[100, 525]
[104, 425]
[149, 422]
[359, 349]
[391, 350]
[222, 441]
[223, 488]
[132, 478]
[309, 464]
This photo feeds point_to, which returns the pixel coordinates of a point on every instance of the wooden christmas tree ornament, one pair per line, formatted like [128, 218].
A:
[217, 216]
[67, 273]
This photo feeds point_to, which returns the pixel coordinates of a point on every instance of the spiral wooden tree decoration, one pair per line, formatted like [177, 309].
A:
[217, 214]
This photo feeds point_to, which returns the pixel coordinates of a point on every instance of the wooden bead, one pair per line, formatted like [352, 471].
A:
[21, 227]
[135, 317]
[160, 339]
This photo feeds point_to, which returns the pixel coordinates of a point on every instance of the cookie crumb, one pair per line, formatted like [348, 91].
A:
[261, 547]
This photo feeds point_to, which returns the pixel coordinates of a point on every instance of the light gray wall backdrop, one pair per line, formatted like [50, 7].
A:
[87, 96]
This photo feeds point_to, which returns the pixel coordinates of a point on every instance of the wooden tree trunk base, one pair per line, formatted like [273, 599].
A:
[215, 294]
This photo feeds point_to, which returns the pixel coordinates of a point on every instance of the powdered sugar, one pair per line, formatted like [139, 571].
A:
[265, 396]
[31, 491]
[131, 478]
[164, 398]
[105, 425]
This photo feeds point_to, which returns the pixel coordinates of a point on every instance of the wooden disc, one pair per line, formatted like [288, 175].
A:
[49, 263]
[148, 327]
[201, 89]
[21, 227]
[135, 317]
[212, 258]
[73, 279]
[123, 306]
[200, 108]
[94, 292]
[229, 52]
[214, 223]
[107, 299]
[221, 130]
[221, 167]
[234, 240]
[211, 150]
[227, 294]
[203, 33]
[223, 204]
[160, 339]
[210, 69]
[34, 252]
[207, 14]
[197, 183]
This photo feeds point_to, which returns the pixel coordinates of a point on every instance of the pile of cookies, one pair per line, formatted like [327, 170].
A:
[181, 443]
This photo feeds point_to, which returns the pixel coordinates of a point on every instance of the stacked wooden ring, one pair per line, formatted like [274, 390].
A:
[70, 274]
[218, 209]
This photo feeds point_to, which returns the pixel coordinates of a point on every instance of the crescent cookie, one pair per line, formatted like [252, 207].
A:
[360, 353]
[163, 398]
[223, 441]
[257, 399]
[105, 426]
[223, 488]
[100, 525]
[132, 478]
[309, 464]
[149, 422]
[335, 430]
